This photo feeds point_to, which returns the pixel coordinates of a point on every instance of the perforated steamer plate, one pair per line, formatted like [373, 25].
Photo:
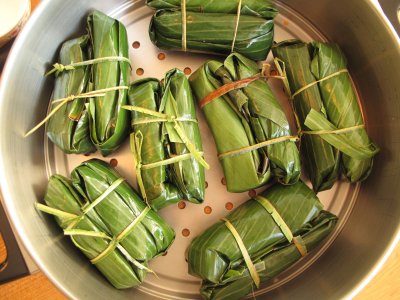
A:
[173, 281]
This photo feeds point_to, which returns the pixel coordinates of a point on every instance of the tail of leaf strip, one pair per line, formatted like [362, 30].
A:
[63, 101]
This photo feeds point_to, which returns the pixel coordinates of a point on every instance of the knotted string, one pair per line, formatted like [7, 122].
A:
[59, 68]
[177, 126]
[115, 241]
[136, 141]
[61, 102]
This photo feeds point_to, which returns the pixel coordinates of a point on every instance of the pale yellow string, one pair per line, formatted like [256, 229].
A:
[336, 131]
[317, 81]
[297, 241]
[89, 206]
[258, 146]
[236, 25]
[115, 241]
[178, 128]
[59, 68]
[252, 269]
[63, 101]
[183, 9]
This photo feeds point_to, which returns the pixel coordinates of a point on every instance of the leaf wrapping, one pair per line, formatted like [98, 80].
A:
[211, 26]
[185, 179]
[68, 128]
[215, 256]
[245, 117]
[109, 123]
[333, 98]
[62, 195]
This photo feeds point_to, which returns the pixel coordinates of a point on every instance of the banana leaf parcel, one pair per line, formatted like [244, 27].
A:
[337, 120]
[258, 240]
[168, 170]
[68, 128]
[108, 222]
[218, 26]
[109, 123]
[62, 196]
[250, 129]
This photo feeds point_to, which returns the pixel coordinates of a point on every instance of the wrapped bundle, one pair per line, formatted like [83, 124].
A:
[108, 222]
[109, 123]
[166, 140]
[68, 128]
[328, 110]
[62, 196]
[244, 26]
[94, 67]
[249, 126]
[258, 240]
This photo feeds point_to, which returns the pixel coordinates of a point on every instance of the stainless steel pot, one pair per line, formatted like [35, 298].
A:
[368, 235]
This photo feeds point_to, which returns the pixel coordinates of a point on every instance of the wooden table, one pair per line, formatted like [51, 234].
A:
[36, 286]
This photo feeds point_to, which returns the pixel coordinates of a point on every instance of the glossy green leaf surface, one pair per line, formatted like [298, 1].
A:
[337, 103]
[215, 256]
[342, 107]
[62, 195]
[255, 7]
[245, 117]
[210, 27]
[109, 123]
[320, 159]
[68, 128]
[185, 179]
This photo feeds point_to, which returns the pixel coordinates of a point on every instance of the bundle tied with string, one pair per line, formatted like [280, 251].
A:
[166, 142]
[327, 110]
[83, 90]
[249, 126]
[243, 26]
[258, 240]
[90, 220]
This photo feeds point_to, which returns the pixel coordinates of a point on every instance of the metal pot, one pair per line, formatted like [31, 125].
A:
[366, 238]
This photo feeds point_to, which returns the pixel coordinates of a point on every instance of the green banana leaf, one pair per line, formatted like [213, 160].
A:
[150, 237]
[213, 29]
[245, 117]
[115, 267]
[343, 142]
[215, 256]
[68, 128]
[322, 161]
[167, 184]
[342, 107]
[250, 7]
[109, 123]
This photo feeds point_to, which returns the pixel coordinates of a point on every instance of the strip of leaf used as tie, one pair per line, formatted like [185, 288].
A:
[297, 241]
[114, 241]
[161, 117]
[321, 126]
[59, 68]
[61, 102]
[252, 269]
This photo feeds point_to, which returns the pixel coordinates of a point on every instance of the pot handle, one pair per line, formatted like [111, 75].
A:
[14, 265]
